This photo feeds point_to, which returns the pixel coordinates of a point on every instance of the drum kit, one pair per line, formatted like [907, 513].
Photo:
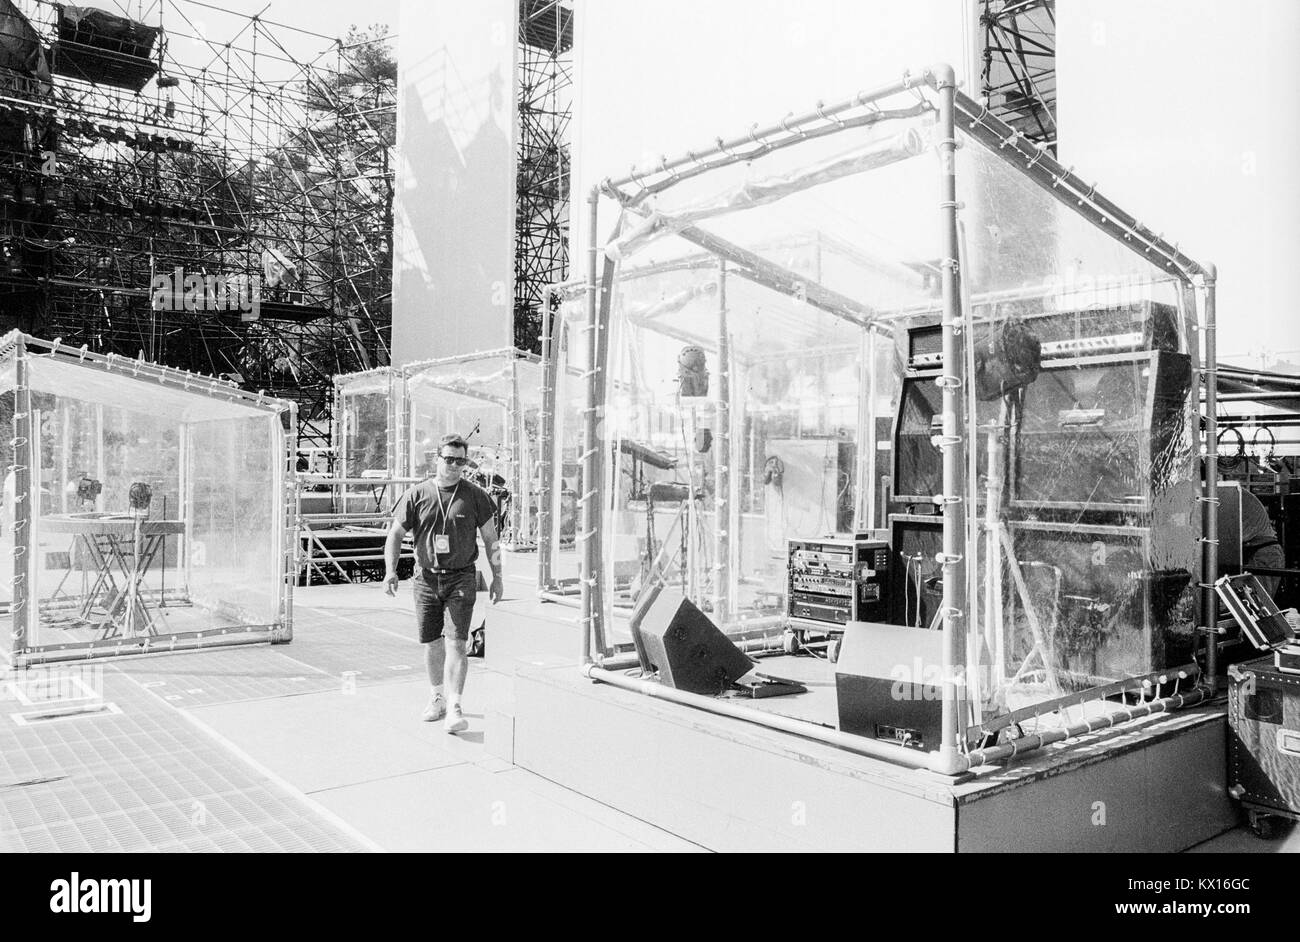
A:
[495, 485]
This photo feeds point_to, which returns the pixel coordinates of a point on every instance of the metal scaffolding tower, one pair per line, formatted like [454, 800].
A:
[147, 198]
[1019, 76]
[542, 172]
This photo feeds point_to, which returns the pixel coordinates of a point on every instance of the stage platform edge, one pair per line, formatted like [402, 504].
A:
[1154, 786]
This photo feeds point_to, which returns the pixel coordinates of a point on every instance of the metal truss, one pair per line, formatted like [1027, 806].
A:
[542, 172]
[124, 162]
[1019, 76]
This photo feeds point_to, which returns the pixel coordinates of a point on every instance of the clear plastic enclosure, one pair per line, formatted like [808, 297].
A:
[366, 408]
[558, 549]
[769, 373]
[145, 506]
[492, 399]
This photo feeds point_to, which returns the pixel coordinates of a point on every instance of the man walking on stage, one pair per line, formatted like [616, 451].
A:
[442, 514]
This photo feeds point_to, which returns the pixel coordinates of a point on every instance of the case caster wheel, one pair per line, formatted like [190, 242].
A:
[833, 650]
[790, 642]
[1264, 826]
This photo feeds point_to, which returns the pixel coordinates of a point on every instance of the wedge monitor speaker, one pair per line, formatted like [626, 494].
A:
[686, 648]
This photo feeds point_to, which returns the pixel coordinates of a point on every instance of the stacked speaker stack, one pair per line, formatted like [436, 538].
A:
[1096, 470]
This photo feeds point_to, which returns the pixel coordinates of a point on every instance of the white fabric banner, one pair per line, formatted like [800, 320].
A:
[454, 207]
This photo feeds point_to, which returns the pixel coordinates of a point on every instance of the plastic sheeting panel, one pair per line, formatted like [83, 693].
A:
[155, 513]
[758, 345]
[493, 400]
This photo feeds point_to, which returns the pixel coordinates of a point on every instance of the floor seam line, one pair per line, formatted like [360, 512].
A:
[388, 778]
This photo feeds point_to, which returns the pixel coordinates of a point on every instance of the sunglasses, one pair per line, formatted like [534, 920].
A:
[454, 461]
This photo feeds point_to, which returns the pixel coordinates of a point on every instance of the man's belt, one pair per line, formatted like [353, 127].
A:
[449, 572]
[1256, 547]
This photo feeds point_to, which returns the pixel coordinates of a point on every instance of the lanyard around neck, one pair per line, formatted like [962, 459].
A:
[437, 495]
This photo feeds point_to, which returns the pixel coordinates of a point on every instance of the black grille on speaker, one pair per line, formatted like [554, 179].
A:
[686, 648]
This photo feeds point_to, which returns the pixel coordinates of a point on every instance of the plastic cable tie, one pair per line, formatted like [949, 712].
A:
[948, 381]
[1207, 540]
[834, 119]
[945, 441]
[947, 499]
[947, 559]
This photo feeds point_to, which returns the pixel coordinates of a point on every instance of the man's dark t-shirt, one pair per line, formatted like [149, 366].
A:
[467, 507]
[1259, 545]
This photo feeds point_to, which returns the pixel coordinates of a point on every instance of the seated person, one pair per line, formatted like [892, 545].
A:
[1259, 545]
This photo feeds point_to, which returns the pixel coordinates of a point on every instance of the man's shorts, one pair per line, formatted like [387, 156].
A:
[449, 592]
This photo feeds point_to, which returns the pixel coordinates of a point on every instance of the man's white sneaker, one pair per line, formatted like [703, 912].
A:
[435, 710]
[455, 722]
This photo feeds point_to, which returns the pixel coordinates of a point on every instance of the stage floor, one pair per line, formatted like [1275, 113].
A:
[317, 745]
[1155, 785]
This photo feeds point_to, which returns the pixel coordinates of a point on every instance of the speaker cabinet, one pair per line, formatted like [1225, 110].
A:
[887, 684]
[686, 648]
[1229, 528]
[917, 462]
[1109, 602]
[915, 578]
[1104, 433]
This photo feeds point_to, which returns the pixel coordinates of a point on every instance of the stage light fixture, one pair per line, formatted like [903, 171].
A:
[140, 496]
[88, 489]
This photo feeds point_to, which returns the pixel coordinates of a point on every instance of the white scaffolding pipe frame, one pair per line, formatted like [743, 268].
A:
[951, 757]
[22, 348]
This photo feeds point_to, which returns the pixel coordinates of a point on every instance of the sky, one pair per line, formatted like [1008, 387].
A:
[326, 17]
